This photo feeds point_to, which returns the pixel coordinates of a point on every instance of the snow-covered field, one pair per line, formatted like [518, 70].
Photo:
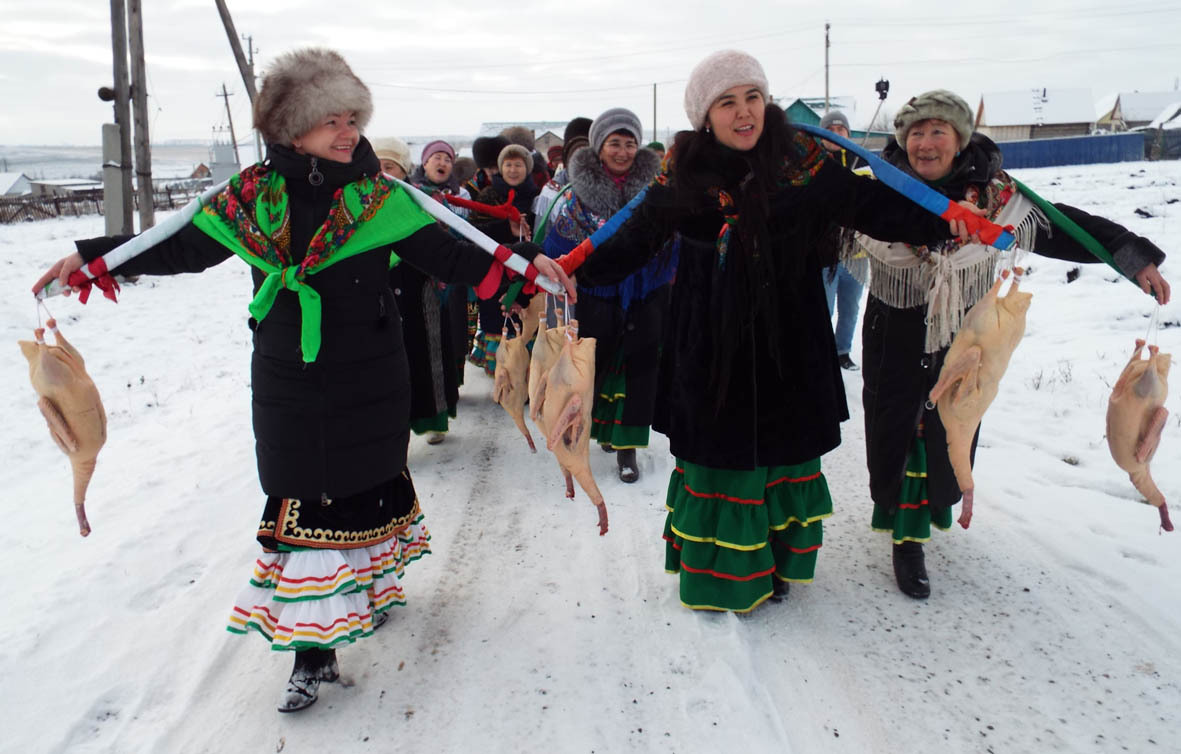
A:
[1053, 623]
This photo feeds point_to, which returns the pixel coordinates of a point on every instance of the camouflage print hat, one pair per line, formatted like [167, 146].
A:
[940, 104]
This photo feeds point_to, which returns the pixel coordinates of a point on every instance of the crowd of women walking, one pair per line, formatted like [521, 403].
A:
[708, 306]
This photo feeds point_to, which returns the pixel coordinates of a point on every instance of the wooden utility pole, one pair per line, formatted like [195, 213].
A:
[139, 97]
[654, 136]
[826, 46]
[233, 139]
[258, 155]
[122, 117]
[243, 66]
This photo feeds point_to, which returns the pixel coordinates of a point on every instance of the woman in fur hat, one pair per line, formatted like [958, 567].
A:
[319, 226]
[626, 318]
[748, 392]
[514, 165]
[906, 336]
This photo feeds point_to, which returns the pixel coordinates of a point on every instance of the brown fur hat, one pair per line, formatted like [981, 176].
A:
[301, 87]
[519, 135]
[518, 151]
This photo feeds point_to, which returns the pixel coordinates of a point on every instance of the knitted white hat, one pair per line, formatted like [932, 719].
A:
[393, 148]
[714, 75]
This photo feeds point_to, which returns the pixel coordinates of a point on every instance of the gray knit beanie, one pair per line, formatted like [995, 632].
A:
[615, 119]
[834, 118]
[940, 104]
[714, 75]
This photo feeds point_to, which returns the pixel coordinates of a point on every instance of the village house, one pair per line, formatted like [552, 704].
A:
[71, 188]
[1035, 114]
[14, 184]
[1136, 109]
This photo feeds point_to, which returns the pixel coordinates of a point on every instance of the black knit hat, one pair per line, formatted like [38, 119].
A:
[486, 149]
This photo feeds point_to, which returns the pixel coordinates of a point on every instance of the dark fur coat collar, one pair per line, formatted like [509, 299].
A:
[595, 189]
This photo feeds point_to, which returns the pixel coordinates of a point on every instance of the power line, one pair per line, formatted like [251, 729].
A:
[522, 92]
[1003, 60]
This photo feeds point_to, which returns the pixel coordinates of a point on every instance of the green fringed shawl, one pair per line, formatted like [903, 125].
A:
[251, 218]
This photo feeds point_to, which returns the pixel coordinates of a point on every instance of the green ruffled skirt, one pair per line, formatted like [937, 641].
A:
[730, 533]
[911, 520]
[607, 427]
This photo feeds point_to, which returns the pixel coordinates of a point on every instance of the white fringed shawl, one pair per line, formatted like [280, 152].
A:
[949, 278]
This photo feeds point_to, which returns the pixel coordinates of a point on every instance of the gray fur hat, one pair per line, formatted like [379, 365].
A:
[515, 150]
[611, 121]
[940, 104]
[301, 87]
[519, 135]
[714, 75]
[834, 118]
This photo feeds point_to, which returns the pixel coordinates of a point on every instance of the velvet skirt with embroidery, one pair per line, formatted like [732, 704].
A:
[730, 533]
[329, 567]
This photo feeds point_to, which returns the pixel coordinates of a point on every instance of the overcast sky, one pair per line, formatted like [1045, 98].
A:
[444, 67]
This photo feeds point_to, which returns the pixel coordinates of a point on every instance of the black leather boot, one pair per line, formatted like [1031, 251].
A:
[910, 569]
[779, 589]
[311, 667]
[628, 471]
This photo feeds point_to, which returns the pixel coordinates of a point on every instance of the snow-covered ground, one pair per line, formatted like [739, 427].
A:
[1053, 623]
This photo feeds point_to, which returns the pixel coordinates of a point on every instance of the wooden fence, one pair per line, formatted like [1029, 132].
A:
[29, 208]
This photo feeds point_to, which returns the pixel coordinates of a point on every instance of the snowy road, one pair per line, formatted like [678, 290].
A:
[1053, 623]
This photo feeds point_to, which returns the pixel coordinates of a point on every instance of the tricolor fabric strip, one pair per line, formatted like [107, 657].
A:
[572, 261]
[919, 192]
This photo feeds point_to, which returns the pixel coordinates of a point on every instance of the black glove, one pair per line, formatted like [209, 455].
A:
[527, 249]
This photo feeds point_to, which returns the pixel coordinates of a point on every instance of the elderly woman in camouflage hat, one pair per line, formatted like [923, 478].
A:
[907, 330]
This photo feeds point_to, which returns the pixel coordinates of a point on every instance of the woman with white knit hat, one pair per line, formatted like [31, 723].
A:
[749, 391]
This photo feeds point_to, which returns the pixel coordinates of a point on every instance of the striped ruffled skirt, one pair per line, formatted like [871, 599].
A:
[311, 598]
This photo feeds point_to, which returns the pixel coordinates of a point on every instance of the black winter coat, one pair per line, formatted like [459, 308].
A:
[898, 375]
[339, 425]
[767, 415]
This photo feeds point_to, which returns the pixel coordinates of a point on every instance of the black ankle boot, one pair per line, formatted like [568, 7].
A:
[779, 589]
[628, 471]
[312, 666]
[910, 569]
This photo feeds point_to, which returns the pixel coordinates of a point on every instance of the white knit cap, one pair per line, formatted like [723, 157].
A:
[393, 148]
[714, 75]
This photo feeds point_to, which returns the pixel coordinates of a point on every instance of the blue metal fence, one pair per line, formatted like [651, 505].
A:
[1073, 150]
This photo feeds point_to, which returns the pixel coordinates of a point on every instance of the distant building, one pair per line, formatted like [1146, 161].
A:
[201, 171]
[546, 140]
[537, 127]
[66, 188]
[1136, 109]
[14, 184]
[809, 110]
[1035, 114]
